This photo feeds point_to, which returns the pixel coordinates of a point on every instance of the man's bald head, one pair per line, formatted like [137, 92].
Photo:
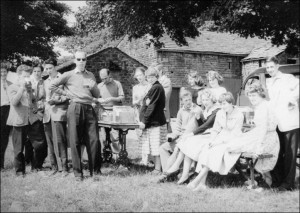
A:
[104, 75]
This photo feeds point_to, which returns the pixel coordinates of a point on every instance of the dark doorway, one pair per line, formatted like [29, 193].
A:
[174, 102]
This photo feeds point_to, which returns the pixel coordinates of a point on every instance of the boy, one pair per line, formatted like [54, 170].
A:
[184, 119]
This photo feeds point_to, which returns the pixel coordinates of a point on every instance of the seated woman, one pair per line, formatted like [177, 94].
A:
[262, 138]
[191, 143]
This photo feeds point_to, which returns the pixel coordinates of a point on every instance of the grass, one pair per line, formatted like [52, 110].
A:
[133, 191]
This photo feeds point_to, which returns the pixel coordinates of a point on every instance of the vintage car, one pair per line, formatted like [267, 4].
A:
[262, 76]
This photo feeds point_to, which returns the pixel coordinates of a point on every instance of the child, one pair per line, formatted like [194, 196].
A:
[184, 123]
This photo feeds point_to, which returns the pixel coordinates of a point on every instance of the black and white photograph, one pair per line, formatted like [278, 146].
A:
[150, 106]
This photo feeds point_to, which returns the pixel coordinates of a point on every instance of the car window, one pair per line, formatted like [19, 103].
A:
[254, 79]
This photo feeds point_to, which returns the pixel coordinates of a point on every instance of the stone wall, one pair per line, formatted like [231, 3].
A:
[178, 64]
[251, 65]
[121, 66]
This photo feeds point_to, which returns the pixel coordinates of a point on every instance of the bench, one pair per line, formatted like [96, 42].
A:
[251, 160]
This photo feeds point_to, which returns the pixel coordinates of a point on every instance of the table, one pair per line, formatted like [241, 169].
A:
[123, 130]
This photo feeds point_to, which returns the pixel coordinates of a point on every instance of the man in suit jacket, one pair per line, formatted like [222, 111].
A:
[4, 109]
[55, 122]
[26, 120]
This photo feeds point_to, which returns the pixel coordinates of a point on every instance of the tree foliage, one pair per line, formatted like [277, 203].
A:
[138, 18]
[31, 27]
[90, 42]
[276, 20]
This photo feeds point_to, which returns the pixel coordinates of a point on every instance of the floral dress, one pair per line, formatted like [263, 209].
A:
[262, 138]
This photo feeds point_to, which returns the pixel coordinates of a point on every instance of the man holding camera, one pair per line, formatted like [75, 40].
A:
[25, 118]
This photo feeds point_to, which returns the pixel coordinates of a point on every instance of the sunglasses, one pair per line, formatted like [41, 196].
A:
[81, 59]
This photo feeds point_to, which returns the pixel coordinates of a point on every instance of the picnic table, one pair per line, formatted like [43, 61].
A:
[123, 129]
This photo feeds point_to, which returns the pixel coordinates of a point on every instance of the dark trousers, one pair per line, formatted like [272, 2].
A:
[83, 130]
[28, 152]
[285, 170]
[55, 132]
[35, 133]
[5, 129]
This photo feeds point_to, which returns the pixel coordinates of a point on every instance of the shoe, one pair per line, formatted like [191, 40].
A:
[64, 173]
[79, 178]
[53, 173]
[283, 189]
[172, 174]
[186, 181]
[155, 172]
[162, 179]
[20, 175]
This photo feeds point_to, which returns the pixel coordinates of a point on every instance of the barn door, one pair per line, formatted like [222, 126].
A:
[174, 102]
[232, 85]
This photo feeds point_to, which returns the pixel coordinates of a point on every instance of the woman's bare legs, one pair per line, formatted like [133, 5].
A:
[171, 160]
[186, 168]
[197, 180]
[203, 175]
[268, 178]
[157, 163]
[177, 163]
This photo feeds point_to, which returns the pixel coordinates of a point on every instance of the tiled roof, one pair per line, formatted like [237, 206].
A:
[263, 51]
[215, 42]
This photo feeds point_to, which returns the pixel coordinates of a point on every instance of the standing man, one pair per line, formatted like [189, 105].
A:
[4, 109]
[283, 91]
[26, 119]
[55, 122]
[81, 88]
[111, 94]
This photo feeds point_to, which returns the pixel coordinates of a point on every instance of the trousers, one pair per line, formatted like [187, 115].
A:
[83, 130]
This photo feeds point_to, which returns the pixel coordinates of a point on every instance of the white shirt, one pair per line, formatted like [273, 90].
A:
[12, 77]
[4, 94]
[284, 89]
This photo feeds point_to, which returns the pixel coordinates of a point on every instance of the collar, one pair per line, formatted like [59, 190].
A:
[77, 71]
[192, 107]
[57, 76]
[213, 108]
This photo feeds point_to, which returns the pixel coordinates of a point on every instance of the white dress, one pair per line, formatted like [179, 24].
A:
[261, 139]
[193, 145]
[228, 128]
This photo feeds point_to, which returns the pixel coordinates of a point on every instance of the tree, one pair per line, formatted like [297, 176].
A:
[138, 18]
[276, 20]
[31, 27]
[268, 19]
[90, 42]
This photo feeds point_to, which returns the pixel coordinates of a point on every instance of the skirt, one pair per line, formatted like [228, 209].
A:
[152, 138]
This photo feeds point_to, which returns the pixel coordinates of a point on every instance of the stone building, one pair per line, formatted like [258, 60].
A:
[257, 58]
[226, 53]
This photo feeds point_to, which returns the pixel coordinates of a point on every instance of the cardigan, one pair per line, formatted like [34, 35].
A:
[152, 115]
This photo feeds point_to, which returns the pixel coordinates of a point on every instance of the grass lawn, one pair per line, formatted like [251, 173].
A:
[135, 191]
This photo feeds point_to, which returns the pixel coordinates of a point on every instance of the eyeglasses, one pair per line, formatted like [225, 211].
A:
[81, 59]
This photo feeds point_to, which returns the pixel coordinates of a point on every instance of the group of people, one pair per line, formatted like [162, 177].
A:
[208, 134]
[59, 112]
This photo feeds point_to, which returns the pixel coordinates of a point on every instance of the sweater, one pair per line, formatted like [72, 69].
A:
[81, 87]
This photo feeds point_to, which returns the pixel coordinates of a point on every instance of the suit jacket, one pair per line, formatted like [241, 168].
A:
[22, 112]
[56, 112]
